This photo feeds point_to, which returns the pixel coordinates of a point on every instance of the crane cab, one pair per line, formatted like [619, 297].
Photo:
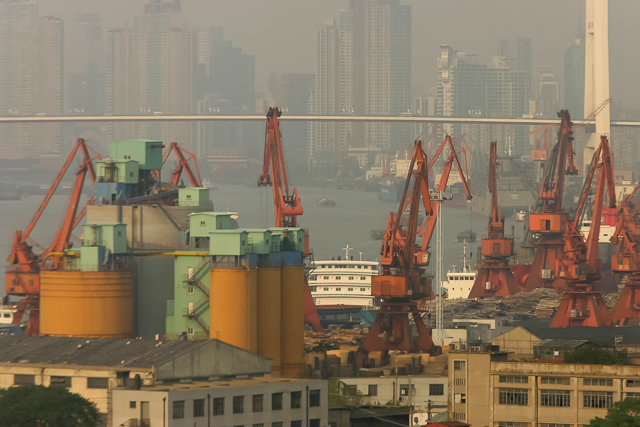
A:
[547, 223]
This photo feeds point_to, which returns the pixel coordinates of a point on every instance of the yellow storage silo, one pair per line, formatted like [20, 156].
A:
[86, 303]
[233, 307]
[270, 316]
[292, 320]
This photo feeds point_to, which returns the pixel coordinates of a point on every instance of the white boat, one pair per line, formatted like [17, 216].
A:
[342, 286]
[460, 280]
[521, 216]
[7, 312]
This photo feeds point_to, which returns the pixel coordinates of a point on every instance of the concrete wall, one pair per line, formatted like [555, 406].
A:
[78, 374]
[162, 412]
[214, 359]
[386, 393]
[483, 388]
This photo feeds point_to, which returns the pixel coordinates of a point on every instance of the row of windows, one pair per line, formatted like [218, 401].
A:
[365, 267]
[315, 289]
[516, 424]
[434, 389]
[337, 277]
[59, 381]
[513, 379]
[557, 398]
[602, 382]
[257, 404]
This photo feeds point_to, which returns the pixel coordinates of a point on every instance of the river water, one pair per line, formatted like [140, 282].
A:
[331, 229]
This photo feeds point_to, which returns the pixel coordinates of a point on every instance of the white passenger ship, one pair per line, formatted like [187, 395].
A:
[342, 288]
[460, 281]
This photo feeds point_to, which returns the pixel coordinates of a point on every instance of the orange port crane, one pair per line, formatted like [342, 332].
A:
[401, 285]
[627, 260]
[287, 205]
[578, 267]
[183, 165]
[22, 277]
[495, 278]
[548, 221]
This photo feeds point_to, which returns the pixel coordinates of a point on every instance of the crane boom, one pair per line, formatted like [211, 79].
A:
[183, 165]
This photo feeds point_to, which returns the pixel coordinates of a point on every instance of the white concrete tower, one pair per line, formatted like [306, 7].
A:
[596, 72]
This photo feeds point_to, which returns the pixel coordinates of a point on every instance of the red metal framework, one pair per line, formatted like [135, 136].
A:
[627, 260]
[579, 267]
[287, 205]
[22, 278]
[495, 278]
[401, 285]
[183, 165]
[549, 219]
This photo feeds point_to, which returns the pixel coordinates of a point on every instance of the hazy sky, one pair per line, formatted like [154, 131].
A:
[281, 33]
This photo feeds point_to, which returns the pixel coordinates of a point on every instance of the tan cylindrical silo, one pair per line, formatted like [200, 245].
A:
[86, 303]
[233, 307]
[292, 320]
[270, 316]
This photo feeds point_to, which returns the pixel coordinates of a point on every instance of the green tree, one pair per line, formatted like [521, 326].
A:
[591, 354]
[338, 399]
[625, 413]
[40, 406]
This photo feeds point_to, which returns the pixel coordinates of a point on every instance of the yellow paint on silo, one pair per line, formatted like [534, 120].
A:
[86, 303]
[292, 320]
[270, 316]
[233, 307]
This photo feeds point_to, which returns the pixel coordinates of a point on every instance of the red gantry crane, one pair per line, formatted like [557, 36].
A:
[627, 260]
[22, 277]
[183, 165]
[549, 219]
[578, 267]
[287, 204]
[401, 285]
[495, 278]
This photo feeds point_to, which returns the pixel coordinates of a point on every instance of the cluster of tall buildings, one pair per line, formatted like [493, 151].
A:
[363, 67]
[159, 65]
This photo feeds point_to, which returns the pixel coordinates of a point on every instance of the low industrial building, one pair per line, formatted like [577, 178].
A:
[487, 390]
[273, 402]
[93, 368]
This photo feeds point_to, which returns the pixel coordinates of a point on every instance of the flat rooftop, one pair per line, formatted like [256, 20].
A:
[200, 385]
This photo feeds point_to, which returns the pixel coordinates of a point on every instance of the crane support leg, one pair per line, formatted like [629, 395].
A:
[494, 282]
[310, 312]
[628, 305]
[581, 308]
[391, 331]
[545, 258]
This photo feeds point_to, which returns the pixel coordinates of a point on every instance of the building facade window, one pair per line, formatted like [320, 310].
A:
[633, 383]
[132, 404]
[513, 396]
[315, 422]
[178, 409]
[296, 423]
[350, 390]
[512, 424]
[97, 382]
[436, 389]
[554, 425]
[198, 408]
[373, 389]
[516, 379]
[459, 365]
[276, 401]
[296, 399]
[597, 399]
[555, 380]
[633, 395]
[218, 406]
[238, 404]
[24, 379]
[63, 382]
[601, 382]
[314, 398]
[460, 398]
[560, 398]
[277, 424]
[257, 402]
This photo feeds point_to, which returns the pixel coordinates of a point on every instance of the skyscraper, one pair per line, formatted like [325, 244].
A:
[467, 88]
[363, 67]
[149, 71]
[518, 52]
[574, 79]
[547, 93]
[31, 78]
[88, 79]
